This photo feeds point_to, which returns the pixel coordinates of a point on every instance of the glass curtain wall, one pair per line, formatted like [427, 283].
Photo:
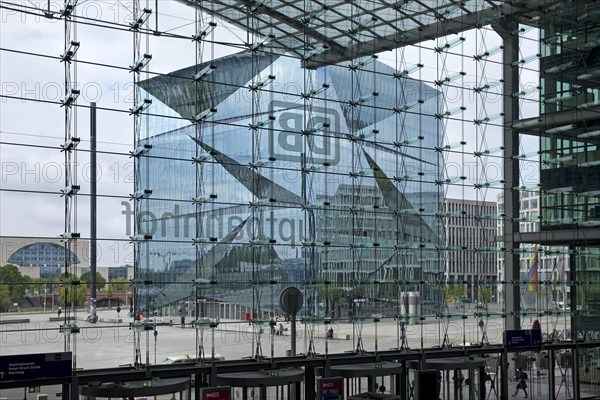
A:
[304, 178]
[352, 150]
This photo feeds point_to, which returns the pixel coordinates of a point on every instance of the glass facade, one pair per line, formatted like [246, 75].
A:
[570, 159]
[350, 149]
[316, 177]
[570, 172]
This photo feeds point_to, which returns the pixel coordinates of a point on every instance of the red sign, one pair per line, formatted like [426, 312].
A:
[331, 388]
[216, 393]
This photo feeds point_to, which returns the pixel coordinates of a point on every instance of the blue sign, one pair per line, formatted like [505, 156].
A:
[32, 366]
[522, 338]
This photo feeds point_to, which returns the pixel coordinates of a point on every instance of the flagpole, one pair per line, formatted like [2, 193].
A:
[537, 291]
[532, 276]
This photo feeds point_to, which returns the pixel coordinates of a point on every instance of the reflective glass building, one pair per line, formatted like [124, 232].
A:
[323, 179]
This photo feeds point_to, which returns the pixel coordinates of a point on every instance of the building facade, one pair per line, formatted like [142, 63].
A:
[470, 236]
[325, 175]
[41, 258]
[550, 262]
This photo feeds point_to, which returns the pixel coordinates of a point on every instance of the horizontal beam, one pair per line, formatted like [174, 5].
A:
[526, 11]
[576, 237]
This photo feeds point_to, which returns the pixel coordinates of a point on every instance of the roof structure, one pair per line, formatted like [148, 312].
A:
[328, 32]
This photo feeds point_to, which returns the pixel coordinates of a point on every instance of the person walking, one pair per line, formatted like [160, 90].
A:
[522, 384]
[481, 325]
[118, 311]
[59, 311]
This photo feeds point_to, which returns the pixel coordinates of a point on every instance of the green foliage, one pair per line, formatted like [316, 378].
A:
[485, 294]
[5, 301]
[17, 283]
[73, 291]
[74, 295]
[120, 284]
[36, 285]
[330, 293]
[100, 281]
[454, 293]
[109, 291]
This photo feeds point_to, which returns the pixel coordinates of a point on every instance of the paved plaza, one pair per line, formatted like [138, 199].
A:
[238, 339]
[109, 342]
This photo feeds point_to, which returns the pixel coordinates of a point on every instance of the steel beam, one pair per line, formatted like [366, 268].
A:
[526, 11]
[510, 74]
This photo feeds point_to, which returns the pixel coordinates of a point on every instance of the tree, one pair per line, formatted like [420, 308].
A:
[485, 294]
[5, 301]
[109, 291]
[120, 284]
[332, 293]
[72, 290]
[454, 293]
[100, 281]
[76, 295]
[36, 285]
[16, 282]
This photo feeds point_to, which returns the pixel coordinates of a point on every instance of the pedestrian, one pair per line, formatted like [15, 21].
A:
[481, 325]
[182, 321]
[522, 384]
[59, 311]
[118, 311]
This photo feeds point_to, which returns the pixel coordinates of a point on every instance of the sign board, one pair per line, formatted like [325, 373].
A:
[522, 338]
[216, 393]
[331, 388]
[33, 366]
[34, 389]
[291, 300]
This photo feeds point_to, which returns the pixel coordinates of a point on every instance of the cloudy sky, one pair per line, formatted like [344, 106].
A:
[32, 121]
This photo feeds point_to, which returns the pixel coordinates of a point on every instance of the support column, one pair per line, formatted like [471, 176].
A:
[574, 324]
[510, 75]
[309, 384]
[93, 215]
[551, 374]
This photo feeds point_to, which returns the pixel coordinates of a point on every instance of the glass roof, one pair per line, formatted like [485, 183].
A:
[327, 32]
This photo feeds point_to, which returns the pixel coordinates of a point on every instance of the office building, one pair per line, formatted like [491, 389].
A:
[471, 236]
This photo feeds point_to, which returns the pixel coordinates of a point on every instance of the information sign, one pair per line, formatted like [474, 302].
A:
[33, 366]
[522, 338]
[216, 393]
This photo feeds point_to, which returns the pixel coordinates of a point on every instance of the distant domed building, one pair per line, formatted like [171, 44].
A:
[43, 258]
